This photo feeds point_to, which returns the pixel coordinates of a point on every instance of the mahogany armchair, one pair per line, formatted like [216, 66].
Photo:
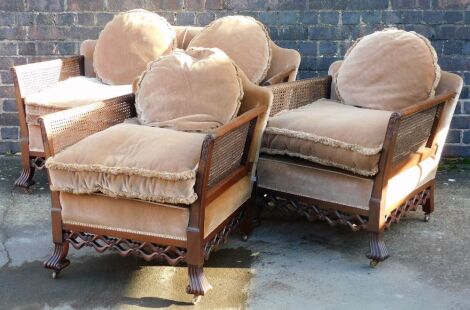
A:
[412, 146]
[34, 78]
[176, 233]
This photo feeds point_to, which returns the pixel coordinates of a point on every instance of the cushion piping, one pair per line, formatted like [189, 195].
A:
[163, 175]
[155, 198]
[321, 161]
[124, 230]
[324, 140]
[437, 68]
[270, 53]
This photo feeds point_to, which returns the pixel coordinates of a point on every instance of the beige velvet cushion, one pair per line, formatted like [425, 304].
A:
[128, 43]
[329, 133]
[132, 161]
[196, 90]
[244, 39]
[70, 93]
[388, 70]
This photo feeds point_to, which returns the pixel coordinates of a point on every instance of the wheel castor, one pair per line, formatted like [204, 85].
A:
[373, 263]
[55, 274]
[427, 217]
[196, 299]
[244, 237]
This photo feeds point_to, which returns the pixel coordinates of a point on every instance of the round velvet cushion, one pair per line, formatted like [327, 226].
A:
[196, 90]
[388, 70]
[243, 39]
[128, 43]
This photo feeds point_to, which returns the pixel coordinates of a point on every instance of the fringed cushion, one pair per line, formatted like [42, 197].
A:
[388, 70]
[130, 161]
[196, 90]
[244, 39]
[70, 93]
[329, 133]
[128, 43]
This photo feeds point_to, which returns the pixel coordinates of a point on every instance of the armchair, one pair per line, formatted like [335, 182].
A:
[176, 232]
[412, 146]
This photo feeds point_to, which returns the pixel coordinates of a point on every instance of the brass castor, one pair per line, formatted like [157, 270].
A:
[244, 237]
[373, 263]
[196, 299]
[427, 217]
[55, 274]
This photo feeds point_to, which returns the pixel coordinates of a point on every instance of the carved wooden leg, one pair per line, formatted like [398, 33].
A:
[246, 225]
[378, 250]
[26, 178]
[58, 261]
[198, 284]
[428, 206]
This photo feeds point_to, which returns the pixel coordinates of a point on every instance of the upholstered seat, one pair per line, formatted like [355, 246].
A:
[70, 93]
[131, 161]
[329, 133]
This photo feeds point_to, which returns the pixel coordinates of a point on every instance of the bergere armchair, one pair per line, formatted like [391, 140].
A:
[175, 231]
[359, 166]
[37, 80]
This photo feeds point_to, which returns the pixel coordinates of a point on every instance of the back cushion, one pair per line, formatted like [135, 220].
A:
[196, 90]
[243, 39]
[128, 43]
[388, 70]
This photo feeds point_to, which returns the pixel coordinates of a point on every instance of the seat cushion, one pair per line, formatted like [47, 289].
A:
[131, 161]
[244, 39]
[388, 70]
[177, 91]
[329, 133]
[128, 43]
[70, 93]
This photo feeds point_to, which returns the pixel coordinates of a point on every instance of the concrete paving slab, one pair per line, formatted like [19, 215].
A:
[288, 263]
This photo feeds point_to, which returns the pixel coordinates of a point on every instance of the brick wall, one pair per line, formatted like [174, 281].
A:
[321, 30]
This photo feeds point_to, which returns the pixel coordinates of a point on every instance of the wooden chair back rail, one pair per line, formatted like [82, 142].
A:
[35, 77]
[67, 127]
[291, 95]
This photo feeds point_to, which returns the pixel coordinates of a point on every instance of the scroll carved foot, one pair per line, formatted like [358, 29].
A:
[198, 284]
[377, 250]
[26, 178]
[58, 261]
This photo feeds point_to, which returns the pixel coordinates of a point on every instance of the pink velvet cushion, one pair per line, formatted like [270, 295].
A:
[196, 90]
[244, 39]
[128, 43]
[388, 70]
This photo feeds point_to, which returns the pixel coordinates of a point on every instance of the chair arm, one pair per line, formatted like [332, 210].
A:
[64, 128]
[411, 134]
[34, 77]
[291, 95]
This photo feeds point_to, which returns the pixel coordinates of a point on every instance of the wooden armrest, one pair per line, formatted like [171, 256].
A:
[224, 157]
[64, 128]
[34, 77]
[411, 133]
[291, 95]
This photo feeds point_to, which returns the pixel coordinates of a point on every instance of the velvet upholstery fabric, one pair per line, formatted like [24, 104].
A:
[282, 61]
[70, 93]
[147, 218]
[388, 70]
[329, 133]
[128, 43]
[243, 39]
[332, 70]
[184, 35]
[196, 90]
[35, 138]
[132, 161]
[300, 177]
[87, 49]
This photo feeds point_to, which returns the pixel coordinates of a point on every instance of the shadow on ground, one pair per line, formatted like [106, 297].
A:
[288, 263]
